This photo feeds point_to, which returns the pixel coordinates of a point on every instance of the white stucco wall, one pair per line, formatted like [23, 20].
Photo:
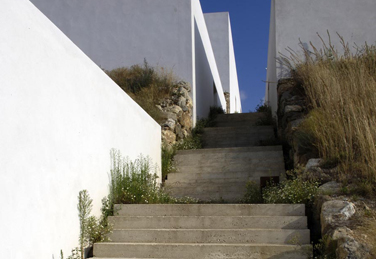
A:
[235, 104]
[219, 29]
[120, 33]
[60, 116]
[355, 20]
[206, 69]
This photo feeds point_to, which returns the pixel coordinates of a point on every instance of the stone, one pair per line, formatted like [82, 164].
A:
[186, 121]
[175, 109]
[159, 107]
[182, 102]
[183, 92]
[312, 163]
[179, 132]
[170, 123]
[168, 137]
[341, 232]
[293, 108]
[330, 188]
[185, 85]
[335, 212]
[349, 248]
[170, 115]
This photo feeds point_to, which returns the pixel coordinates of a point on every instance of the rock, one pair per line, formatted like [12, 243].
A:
[168, 137]
[159, 107]
[186, 121]
[183, 92]
[293, 108]
[170, 115]
[330, 188]
[312, 163]
[175, 109]
[341, 232]
[182, 102]
[190, 103]
[185, 85]
[334, 212]
[170, 123]
[179, 132]
[349, 248]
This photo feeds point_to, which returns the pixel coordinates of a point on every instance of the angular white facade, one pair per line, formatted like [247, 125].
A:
[169, 33]
[60, 117]
[292, 21]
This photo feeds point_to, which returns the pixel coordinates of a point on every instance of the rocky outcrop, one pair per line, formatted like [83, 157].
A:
[178, 113]
[291, 111]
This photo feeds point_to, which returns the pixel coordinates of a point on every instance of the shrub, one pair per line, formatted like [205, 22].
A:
[291, 191]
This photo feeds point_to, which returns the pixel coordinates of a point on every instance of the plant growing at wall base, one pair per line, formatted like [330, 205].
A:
[292, 191]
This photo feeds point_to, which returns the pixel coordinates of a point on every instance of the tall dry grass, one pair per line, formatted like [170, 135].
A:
[146, 85]
[341, 91]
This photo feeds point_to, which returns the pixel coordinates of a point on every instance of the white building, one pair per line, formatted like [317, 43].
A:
[173, 34]
[292, 21]
[60, 115]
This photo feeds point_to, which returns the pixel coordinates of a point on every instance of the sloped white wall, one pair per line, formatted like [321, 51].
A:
[60, 116]
[120, 33]
[220, 33]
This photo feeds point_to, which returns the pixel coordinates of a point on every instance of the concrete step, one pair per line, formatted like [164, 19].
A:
[209, 222]
[210, 209]
[217, 236]
[200, 251]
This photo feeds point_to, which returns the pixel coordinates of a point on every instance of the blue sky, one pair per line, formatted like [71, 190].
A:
[250, 31]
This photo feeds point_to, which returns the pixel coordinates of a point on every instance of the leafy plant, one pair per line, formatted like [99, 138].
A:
[84, 209]
[133, 182]
[291, 191]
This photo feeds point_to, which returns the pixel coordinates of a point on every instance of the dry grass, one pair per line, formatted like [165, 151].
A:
[341, 89]
[146, 85]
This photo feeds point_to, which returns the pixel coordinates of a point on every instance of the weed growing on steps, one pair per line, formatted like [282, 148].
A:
[292, 191]
[341, 86]
[135, 182]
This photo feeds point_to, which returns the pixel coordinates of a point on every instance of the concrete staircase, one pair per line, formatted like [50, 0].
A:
[218, 172]
[207, 231]
[231, 157]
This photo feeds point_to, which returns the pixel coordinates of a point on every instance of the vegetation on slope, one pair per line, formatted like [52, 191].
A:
[146, 85]
[341, 92]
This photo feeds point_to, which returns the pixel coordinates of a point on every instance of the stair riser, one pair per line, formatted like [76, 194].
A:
[220, 177]
[216, 222]
[226, 144]
[228, 157]
[212, 236]
[199, 251]
[210, 209]
[231, 169]
[230, 150]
